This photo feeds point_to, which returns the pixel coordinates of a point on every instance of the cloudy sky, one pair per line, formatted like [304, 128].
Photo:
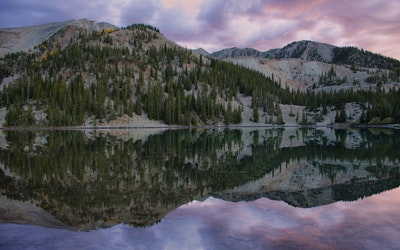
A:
[215, 24]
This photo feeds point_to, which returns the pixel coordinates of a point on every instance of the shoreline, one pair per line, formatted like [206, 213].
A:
[170, 127]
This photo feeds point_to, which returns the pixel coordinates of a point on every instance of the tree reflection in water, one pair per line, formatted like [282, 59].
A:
[90, 179]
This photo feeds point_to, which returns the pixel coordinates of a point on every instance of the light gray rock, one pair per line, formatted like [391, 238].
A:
[26, 38]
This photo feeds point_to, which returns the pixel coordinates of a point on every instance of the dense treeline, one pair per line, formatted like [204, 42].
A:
[142, 26]
[68, 102]
[378, 106]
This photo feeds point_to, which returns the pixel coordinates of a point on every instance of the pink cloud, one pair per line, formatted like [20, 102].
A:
[370, 25]
[188, 6]
[216, 24]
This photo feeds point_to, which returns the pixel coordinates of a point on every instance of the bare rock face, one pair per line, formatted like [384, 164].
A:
[25, 38]
[306, 50]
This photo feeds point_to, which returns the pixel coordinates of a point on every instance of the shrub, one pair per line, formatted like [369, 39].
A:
[375, 121]
[387, 120]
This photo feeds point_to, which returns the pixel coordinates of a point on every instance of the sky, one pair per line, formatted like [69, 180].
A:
[373, 25]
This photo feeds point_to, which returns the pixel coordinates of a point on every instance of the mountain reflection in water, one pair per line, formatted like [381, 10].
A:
[85, 180]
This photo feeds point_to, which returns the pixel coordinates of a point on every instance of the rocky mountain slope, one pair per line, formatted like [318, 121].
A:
[305, 75]
[121, 72]
[84, 73]
[26, 38]
[301, 64]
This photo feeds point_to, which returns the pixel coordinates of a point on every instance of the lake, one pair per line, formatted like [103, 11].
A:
[246, 188]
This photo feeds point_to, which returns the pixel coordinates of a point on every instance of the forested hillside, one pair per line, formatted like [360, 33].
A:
[361, 58]
[80, 76]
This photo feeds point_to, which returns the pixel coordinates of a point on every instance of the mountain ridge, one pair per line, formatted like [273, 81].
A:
[24, 38]
[135, 71]
[306, 50]
[310, 51]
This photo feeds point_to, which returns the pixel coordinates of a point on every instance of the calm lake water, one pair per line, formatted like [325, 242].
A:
[200, 189]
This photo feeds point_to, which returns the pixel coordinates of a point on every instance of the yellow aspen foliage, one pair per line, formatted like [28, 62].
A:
[108, 31]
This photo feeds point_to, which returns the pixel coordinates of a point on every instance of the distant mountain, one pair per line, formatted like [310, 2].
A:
[236, 52]
[306, 50]
[25, 38]
[316, 196]
[201, 51]
[305, 65]
[314, 51]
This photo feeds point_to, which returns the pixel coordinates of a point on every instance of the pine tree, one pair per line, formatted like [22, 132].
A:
[255, 115]
[304, 119]
[228, 114]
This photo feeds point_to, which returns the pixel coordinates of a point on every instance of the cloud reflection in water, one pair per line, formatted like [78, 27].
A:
[371, 223]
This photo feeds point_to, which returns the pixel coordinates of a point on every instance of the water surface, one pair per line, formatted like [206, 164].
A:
[200, 189]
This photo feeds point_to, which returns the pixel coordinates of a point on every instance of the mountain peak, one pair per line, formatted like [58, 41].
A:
[306, 50]
[91, 25]
[236, 52]
[202, 51]
[25, 38]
